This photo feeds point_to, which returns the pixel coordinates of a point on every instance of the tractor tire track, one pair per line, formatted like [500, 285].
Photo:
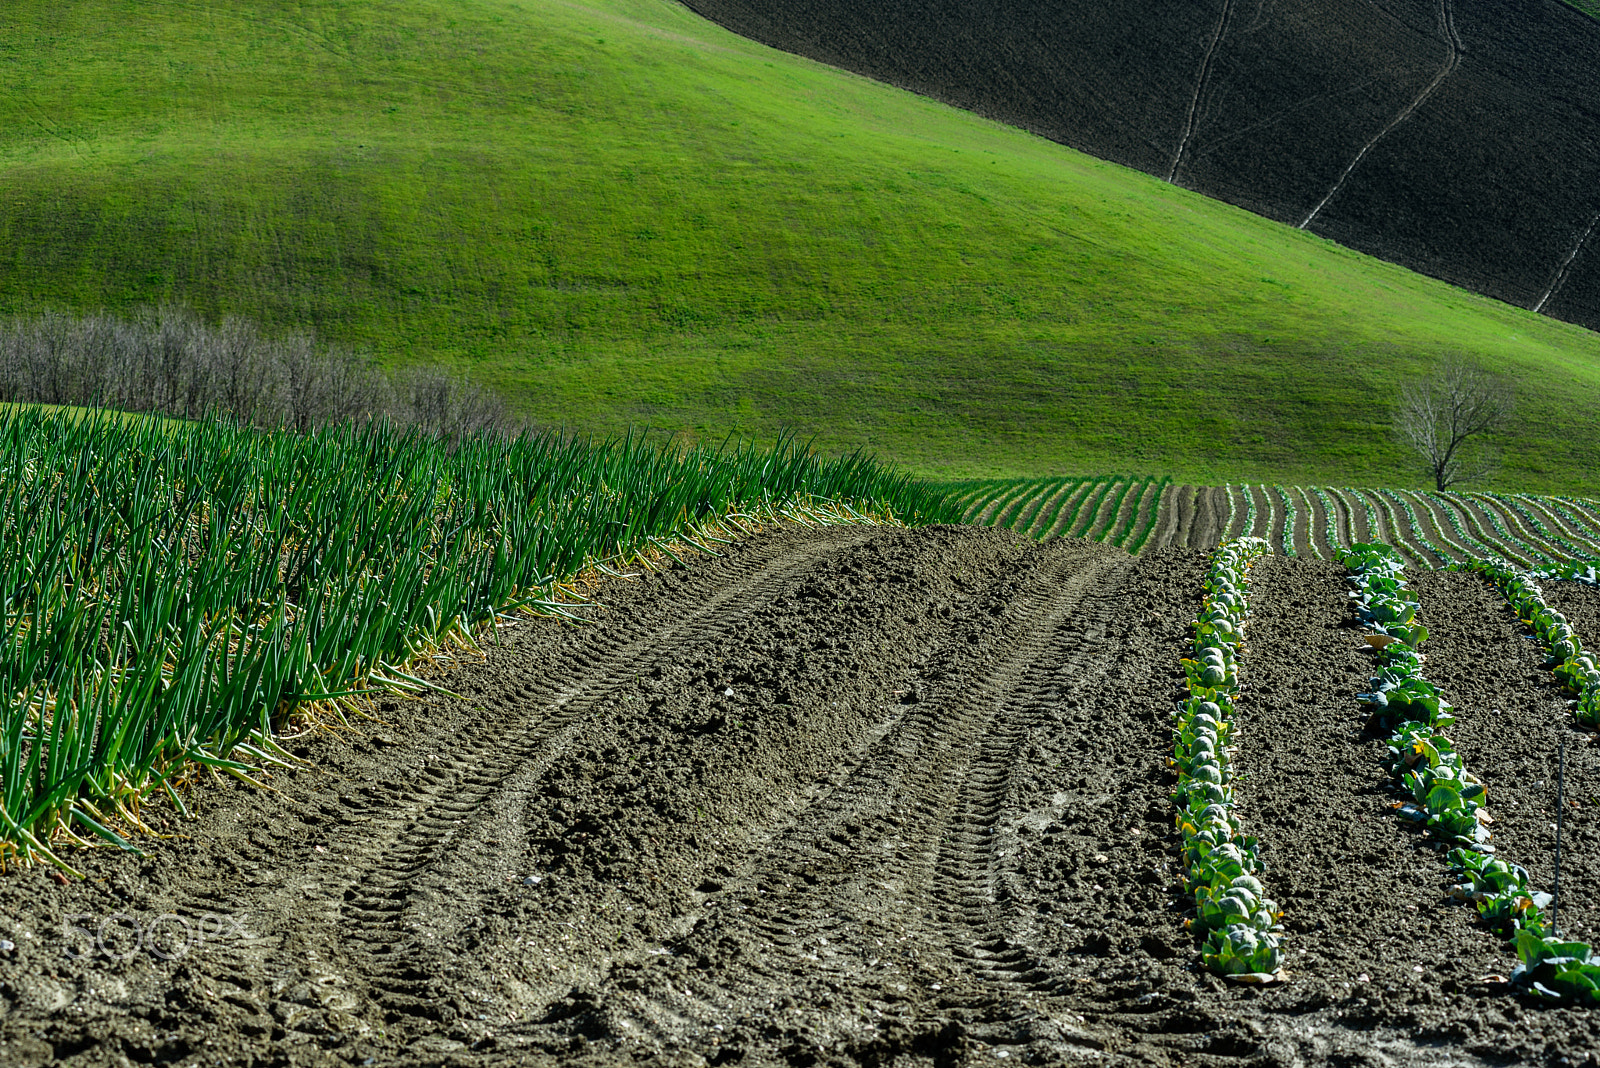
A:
[334, 930]
[896, 872]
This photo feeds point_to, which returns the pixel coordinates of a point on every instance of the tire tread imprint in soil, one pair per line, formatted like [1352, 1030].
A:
[952, 741]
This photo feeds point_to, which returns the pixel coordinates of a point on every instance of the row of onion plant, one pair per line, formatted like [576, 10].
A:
[174, 591]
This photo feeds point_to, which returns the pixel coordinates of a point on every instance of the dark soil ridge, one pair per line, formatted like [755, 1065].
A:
[851, 796]
[1459, 138]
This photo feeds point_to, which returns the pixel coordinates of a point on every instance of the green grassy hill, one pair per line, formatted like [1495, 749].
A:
[618, 213]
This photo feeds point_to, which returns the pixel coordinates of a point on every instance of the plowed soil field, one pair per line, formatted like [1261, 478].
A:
[1453, 137]
[851, 796]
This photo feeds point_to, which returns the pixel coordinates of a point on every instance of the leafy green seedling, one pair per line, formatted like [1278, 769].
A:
[1243, 952]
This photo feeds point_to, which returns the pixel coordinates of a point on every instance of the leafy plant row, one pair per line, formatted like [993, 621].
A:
[1444, 795]
[1563, 547]
[1286, 541]
[173, 591]
[1525, 529]
[1331, 515]
[1573, 514]
[1565, 654]
[1243, 935]
[1119, 511]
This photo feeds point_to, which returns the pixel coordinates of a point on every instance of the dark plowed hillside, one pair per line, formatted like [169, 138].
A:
[848, 797]
[1460, 138]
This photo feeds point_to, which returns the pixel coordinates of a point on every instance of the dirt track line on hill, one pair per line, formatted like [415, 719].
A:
[1447, 28]
[1562, 271]
[1199, 90]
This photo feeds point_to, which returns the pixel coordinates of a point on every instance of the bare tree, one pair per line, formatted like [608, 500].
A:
[169, 360]
[1445, 418]
[432, 401]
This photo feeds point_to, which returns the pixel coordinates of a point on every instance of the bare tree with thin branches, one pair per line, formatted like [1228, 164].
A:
[1446, 417]
[169, 360]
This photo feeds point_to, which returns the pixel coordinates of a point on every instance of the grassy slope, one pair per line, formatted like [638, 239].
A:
[620, 213]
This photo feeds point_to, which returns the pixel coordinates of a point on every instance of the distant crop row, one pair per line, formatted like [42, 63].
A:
[1120, 510]
[1428, 529]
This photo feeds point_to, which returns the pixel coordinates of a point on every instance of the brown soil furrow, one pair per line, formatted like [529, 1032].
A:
[1397, 528]
[1265, 525]
[1028, 516]
[1520, 528]
[1210, 524]
[1435, 529]
[1150, 497]
[990, 515]
[1089, 512]
[1210, 517]
[1016, 505]
[971, 502]
[1127, 509]
[1241, 498]
[1173, 505]
[1333, 523]
[1356, 514]
[1478, 521]
[1302, 537]
[1585, 510]
[1511, 721]
[1315, 793]
[1279, 533]
[1045, 514]
[1486, 540]
[1445, 506]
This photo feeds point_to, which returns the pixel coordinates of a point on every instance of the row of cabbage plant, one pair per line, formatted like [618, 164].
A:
[1566, 657]
[1565, 548]
[1446, 797]
[1555, 969]
[1286, 540]
[1243, 936]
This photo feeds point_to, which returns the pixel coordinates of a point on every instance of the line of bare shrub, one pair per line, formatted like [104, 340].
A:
[167, 360]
